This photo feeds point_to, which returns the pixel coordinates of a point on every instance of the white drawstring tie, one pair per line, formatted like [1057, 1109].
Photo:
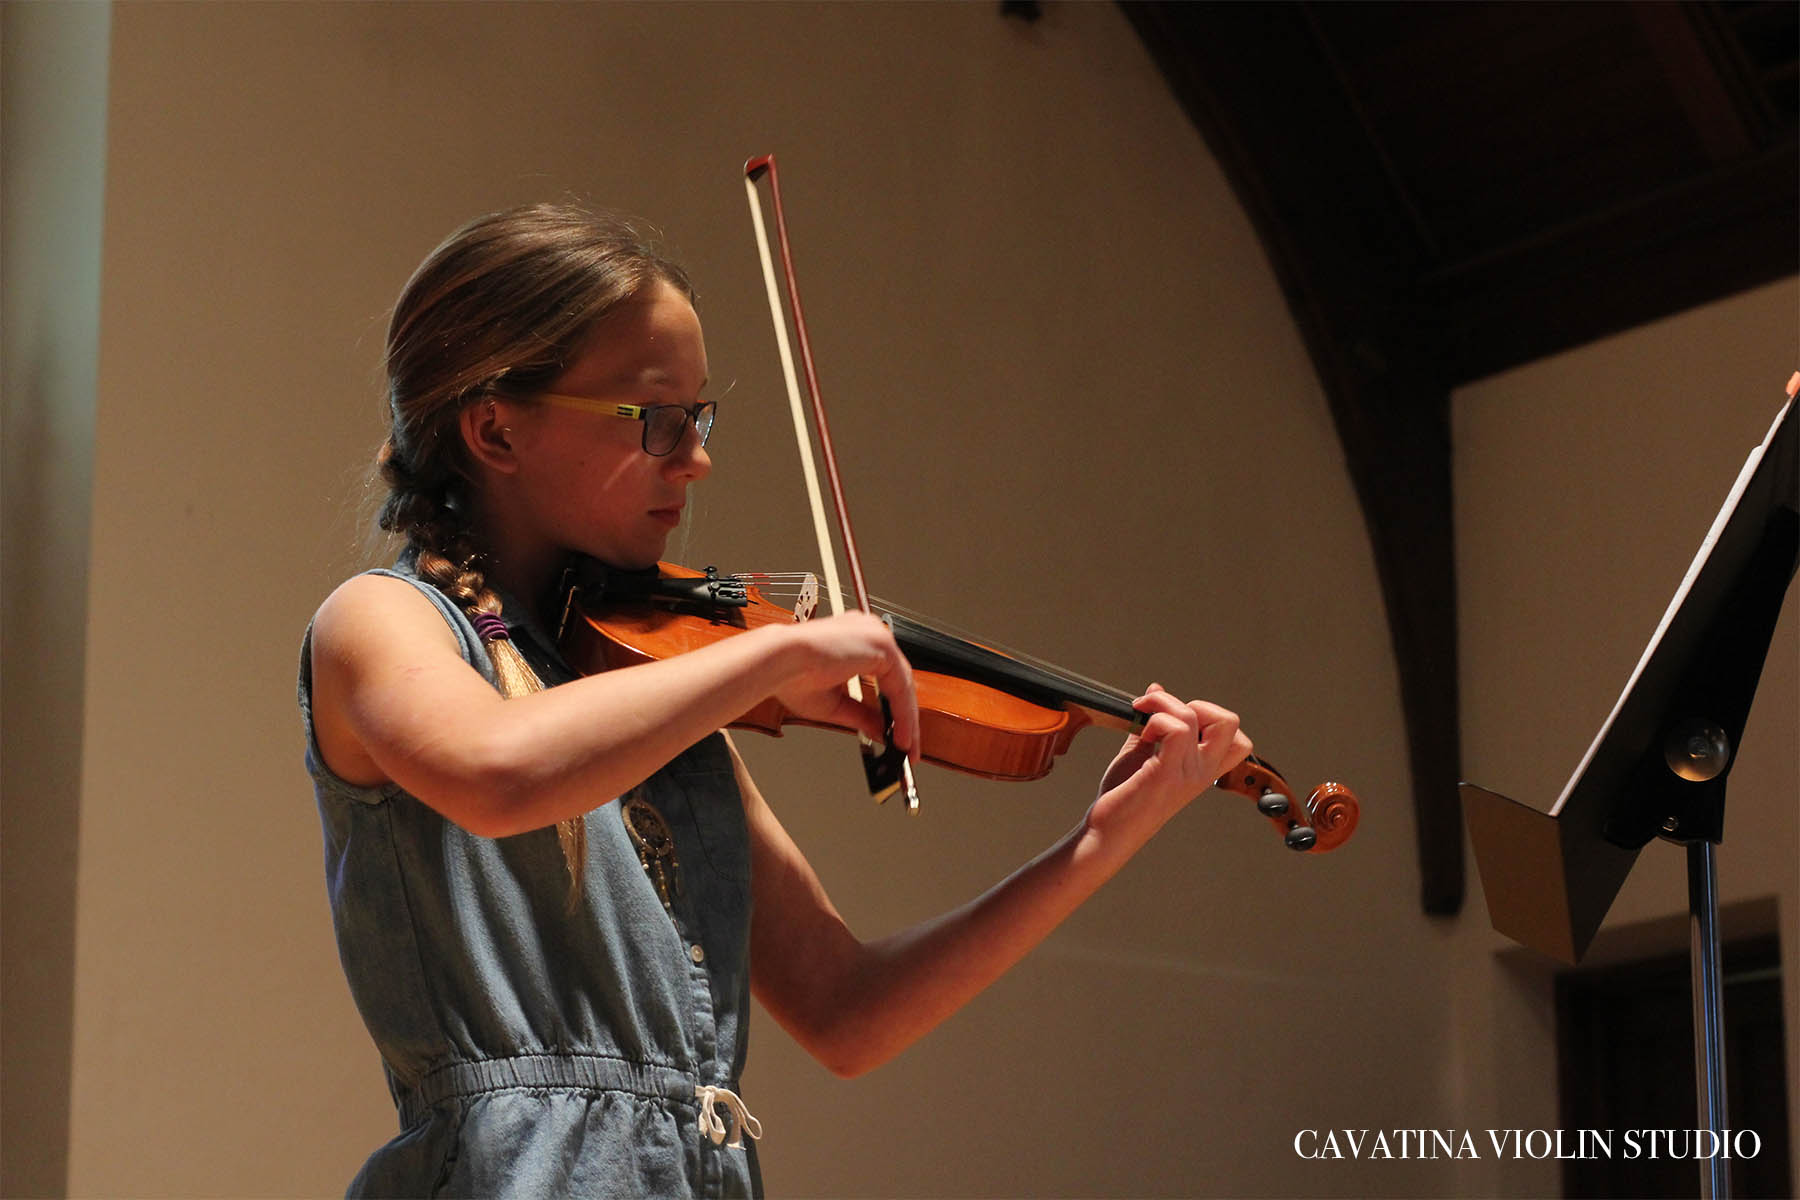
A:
[711, 1124]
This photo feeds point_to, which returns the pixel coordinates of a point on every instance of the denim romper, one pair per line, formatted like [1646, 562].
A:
[531, 1053]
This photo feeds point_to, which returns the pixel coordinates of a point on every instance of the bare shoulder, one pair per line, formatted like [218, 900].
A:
[376, 609]
[374, 639]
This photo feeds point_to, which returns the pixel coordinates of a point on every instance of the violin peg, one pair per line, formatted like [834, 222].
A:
[1272, 804]
[1300, 838]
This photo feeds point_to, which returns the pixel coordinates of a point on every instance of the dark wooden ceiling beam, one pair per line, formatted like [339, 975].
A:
[1733, 228]
[1726, 119]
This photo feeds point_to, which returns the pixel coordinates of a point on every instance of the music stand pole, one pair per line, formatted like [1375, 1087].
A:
[1709, 1019]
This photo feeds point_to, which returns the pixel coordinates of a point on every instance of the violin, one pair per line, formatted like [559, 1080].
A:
[982, 711]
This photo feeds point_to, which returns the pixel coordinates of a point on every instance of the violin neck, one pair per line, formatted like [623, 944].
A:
[929, 649]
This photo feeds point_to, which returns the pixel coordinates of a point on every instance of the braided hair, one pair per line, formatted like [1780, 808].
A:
[499, 308]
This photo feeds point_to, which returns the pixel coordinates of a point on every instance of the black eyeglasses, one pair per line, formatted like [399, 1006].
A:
[664, 424]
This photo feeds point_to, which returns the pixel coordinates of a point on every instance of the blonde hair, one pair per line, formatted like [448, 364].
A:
[499, 308]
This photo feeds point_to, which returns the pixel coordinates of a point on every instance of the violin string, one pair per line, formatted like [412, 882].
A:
[1019, 656]
[776, 583]
[1050, 668]
[783, 584]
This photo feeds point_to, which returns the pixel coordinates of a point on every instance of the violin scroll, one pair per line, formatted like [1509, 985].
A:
[1335, 811]
[1324, 822]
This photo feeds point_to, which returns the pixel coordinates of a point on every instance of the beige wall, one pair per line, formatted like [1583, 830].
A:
[1074, 413]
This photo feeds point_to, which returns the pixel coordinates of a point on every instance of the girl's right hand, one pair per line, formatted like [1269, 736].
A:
[829, 652]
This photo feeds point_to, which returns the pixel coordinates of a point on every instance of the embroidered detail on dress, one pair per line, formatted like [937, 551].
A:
[713, 1126]
[655, 844]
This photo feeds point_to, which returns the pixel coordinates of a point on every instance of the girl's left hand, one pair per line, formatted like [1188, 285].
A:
[1180, 752]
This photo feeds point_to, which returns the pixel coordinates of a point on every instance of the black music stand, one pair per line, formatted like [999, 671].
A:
[1658, 766]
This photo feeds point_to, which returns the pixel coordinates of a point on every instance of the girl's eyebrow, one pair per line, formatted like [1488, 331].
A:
[659, 378]
[664, 380]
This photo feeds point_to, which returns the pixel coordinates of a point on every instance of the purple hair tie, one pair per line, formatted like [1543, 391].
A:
[489, 628]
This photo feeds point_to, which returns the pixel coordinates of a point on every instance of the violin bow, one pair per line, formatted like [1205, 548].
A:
[886, 767]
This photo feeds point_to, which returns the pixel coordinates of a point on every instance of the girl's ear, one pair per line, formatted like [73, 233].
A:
[487, 437]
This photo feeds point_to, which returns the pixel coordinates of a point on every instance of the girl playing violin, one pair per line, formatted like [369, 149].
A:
[554, 896]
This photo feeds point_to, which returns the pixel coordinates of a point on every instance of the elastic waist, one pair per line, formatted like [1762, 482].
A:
[572, 1072]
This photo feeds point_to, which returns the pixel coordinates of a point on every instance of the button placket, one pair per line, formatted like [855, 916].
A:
[684, 913]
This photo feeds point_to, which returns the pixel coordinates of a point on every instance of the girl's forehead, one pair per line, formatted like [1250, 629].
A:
[655, 340]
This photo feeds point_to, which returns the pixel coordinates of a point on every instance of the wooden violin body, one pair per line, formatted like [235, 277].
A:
[980, 711]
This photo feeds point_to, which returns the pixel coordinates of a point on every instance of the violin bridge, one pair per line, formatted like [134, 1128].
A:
[806, 603]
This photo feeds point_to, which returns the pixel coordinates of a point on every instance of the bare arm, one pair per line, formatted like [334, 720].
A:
[393, 700]
[854, 1005]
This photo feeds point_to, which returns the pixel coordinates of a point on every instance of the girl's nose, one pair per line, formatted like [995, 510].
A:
[689, 460]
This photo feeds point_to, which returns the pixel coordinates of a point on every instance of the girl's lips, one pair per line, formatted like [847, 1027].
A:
[669, 516]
